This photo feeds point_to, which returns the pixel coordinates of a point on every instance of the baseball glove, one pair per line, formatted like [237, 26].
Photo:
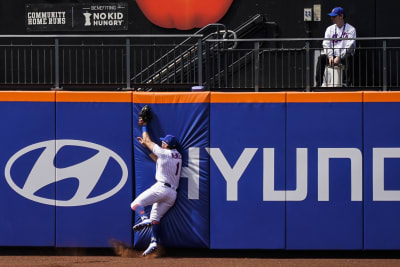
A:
[145, 113]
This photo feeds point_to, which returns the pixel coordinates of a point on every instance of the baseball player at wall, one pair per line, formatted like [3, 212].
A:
[162, 194]
[337, 51]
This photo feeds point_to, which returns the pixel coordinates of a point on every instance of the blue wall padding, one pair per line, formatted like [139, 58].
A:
[187, 223]
[24, 222]
[110, 126]
[70, 148]
[249, 222]
[381, 218]
[337, 223]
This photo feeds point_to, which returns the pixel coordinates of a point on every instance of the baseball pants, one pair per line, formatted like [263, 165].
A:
[160, 196]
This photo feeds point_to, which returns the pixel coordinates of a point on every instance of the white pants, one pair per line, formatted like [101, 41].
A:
[160, 196]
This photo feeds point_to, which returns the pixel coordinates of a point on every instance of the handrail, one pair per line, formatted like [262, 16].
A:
[197, 35]
[302, 39]
[101, 36]
[225, 32]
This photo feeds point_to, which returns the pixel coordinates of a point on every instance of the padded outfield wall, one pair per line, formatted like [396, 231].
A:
[261, 170]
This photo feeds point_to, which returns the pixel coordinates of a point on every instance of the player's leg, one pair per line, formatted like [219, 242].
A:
[155, 235]
[146, 198]
[157, 212]
[144, 222]
[139, 209]
[155, 231]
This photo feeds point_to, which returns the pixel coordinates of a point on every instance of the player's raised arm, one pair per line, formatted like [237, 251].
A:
[144, 117]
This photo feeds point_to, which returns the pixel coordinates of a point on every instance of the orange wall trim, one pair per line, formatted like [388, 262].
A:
[248, 97]
[198, 97]
[171, 97]
[26, 96]
[381, 96]
[324, 97]
[119, 97]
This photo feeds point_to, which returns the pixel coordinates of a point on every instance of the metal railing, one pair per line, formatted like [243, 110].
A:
[164, 62]
[291, 63]
[89, 61]
[184, 58]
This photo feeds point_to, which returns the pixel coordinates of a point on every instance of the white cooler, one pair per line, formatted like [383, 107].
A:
[333, 76]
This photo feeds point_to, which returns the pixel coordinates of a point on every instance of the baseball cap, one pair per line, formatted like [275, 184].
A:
[336, 12]
[170, 140]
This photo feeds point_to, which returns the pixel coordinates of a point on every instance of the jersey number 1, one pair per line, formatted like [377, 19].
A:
[177, 169]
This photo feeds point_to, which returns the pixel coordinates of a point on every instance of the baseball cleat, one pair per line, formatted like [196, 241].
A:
[142, 225]
[151, 249]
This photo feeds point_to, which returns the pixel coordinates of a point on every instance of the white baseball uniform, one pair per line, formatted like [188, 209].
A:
[162, 194]
[339, 47]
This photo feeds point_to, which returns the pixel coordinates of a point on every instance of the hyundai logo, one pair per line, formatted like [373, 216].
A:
[44, 173]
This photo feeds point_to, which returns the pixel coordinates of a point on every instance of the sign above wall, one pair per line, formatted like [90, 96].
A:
[77, 17]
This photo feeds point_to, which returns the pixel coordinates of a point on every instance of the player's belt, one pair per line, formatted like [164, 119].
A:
[170, 186]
